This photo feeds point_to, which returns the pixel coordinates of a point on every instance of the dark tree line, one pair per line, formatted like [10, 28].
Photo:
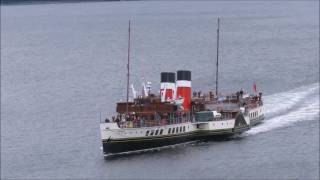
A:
[45, 1]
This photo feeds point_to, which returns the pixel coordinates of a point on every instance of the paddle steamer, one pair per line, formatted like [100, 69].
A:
[177, 114]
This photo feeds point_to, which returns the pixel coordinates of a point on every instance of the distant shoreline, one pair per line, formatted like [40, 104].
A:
[31, 2]
[26, 2]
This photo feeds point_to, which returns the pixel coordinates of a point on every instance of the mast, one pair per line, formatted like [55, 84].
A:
[217, 65]
[128, 68]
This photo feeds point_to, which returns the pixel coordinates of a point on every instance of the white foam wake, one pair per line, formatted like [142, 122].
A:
[285, 108]
[280, 103]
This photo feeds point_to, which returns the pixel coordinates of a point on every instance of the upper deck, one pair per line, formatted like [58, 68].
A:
[150, 111]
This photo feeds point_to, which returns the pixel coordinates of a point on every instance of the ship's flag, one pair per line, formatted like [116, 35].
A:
[254, 87]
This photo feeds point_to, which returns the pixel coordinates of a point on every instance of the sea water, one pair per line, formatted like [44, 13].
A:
[64, 64]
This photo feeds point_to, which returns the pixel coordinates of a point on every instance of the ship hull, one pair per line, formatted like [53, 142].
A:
[133, 145]
[256, 121]
[113, 147]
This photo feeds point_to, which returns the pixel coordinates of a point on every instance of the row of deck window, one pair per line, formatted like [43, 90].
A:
[154, 132]
[177, 130]
[253, 115]
[170, 131]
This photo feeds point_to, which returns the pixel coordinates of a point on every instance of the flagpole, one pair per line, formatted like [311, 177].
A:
[128, 68]
[254, 87]
[217, 63]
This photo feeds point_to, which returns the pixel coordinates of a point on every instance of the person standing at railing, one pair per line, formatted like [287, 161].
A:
[158, 118]
[138, 121]
[118, 120]
[123, 118]
[134, 121]
[142, 121]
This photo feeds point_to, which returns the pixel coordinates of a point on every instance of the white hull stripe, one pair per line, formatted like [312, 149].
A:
[168, 86]
[183, 83]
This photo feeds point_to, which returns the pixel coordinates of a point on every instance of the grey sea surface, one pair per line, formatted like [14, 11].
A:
[63, 64]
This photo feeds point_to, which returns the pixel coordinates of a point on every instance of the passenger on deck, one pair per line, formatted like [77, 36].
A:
[118, 120]
[142, 121]
[134, 120]
[123, 118]
[138, 123]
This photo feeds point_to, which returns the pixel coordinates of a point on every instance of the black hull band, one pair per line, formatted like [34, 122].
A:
[137, 144]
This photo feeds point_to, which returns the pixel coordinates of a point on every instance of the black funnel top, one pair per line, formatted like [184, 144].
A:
[168, 77]
[184, 75]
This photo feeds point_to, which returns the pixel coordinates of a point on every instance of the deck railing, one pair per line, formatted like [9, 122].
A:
[188, 117]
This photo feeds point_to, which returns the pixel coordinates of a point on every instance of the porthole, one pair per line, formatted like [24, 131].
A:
[177, 129]
[152, 131]
[172, 130]
[180, 128]
[156, 132]
[161, 131]
[169, 131]
[147, 133]
[184, 129]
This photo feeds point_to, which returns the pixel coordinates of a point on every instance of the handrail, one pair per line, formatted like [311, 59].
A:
[150, 123]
